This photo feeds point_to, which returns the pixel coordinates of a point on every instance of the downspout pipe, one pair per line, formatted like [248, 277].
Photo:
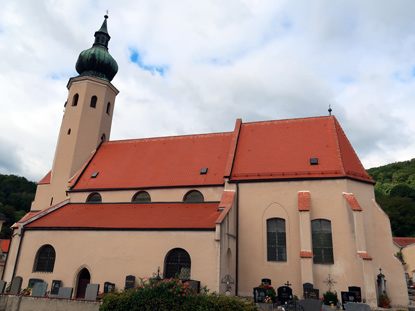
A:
[18, 252]
[237, 241]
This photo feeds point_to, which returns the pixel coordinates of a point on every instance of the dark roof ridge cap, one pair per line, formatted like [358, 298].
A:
[286, 120]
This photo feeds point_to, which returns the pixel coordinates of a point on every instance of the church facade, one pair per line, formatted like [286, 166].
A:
[287, 200]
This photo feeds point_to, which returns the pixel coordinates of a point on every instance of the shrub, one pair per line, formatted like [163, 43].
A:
[330, 297]
[170, 295]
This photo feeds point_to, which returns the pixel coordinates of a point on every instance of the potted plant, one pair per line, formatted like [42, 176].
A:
[384, 300]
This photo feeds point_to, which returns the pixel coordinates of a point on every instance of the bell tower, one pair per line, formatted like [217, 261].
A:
[86, 121]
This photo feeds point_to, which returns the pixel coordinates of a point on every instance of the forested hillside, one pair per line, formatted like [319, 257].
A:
[16, 196]
[395, 192]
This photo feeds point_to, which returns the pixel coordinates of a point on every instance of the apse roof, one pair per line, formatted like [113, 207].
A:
[403, 242]
[286, 149]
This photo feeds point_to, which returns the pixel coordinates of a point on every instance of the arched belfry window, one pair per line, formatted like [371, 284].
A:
[322, 241]
[94, 198]
[108, 108]
[93, 101]
[45, 259]
[75, 100]
[177, 263]
[142, 196]
[194, 196]
[276, 240]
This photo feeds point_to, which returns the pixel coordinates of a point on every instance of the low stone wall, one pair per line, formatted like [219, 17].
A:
[28, 303]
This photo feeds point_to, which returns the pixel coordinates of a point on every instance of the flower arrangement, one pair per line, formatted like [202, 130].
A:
[271, 294]
[384, 300]
[330, 298]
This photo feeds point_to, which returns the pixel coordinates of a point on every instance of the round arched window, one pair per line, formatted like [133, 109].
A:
[193, 196]
[94, 198]
[142, 196]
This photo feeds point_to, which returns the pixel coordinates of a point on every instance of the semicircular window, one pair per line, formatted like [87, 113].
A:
[177, 263]
[194, 196]
[142, 196]
[94, 198]
[45, 259]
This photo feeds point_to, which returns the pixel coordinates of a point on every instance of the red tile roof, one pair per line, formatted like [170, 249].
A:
[354, 205]
[24, 218]
[283, 148]
[158, 162]
[365, 256]
[5, 244]
[46, 179]
[131, 216]
[303, 200]
[260, 150]
[225, 204]
[403, 242]
[306, 254]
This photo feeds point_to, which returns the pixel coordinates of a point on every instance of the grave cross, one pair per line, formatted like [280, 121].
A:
[330, 282]
[288, 283]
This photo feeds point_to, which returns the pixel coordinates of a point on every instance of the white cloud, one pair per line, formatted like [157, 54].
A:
[255, 60]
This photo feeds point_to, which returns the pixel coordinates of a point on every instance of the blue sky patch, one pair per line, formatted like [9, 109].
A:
[136, 58]
[347, 79]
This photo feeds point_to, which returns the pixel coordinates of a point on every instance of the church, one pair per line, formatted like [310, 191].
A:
[287, 200]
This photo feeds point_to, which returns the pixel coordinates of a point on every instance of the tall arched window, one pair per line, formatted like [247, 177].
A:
[45, 259]
[108, 108]
[94, 198]
[322, 241]
[177, 263]
[93, 101]
[75, 99]
[276, 240]
[142, 196]
[193, 196]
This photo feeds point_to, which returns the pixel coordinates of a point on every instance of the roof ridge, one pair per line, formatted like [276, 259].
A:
[286, 120]
[126, 141]
[338, 126]
[338, 149]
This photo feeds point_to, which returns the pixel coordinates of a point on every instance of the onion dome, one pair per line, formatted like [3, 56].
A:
[96, 61]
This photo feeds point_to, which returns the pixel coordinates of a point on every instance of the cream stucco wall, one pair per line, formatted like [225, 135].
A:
[157, 195]
[112, 255]
[352, 231]
[408, 254]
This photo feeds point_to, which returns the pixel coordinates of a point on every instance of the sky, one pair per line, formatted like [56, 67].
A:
[190, 67]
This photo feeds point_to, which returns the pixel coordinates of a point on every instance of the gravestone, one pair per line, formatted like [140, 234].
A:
[129, 281]
[16, 285]
[357, 307]
[91, 292]
[309, 305]
[54, 288]
[285, 295]
[348, 297]
[32, 282]
[2, 286]
[259, 294]
[307, 286]
[39, 289]
[65, 292]
[358, 291]
[108, 287]
[311, 293]
[266, 281]
[195, 285]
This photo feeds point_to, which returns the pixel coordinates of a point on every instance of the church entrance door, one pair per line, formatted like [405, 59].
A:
[83, 280]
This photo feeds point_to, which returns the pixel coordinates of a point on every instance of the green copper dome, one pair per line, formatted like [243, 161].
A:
[96, 61]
